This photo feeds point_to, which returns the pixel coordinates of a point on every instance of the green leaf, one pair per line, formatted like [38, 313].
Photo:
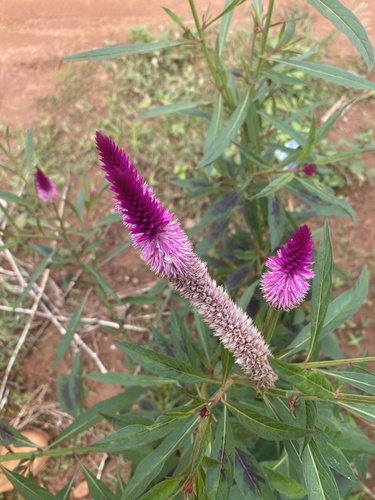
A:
[276, 219]
[341, 156]
[66, 339]
[320, 198]
[339, 311]
[10, 436]
[247, 295]
[228, 133]
[215, 123]
[127, 380]
[64, 494]
[63, 393]
[334, 457]
[225, 22]
[204, 336]
[97, 489]
[219, 479]
[75, 385]
[283, 127]
[347, 23]
[163, 365]
[153, 463]
[319, 480]
[162, 490]
[26, 486]
[321, 288]
[365, 411]
[120, 403]
[284, 484]
[13, 198]
[122, 51]
[266, 427]
[38, 271]
[330, 74]
[182, 343]
[309, 382]
[250, 477]
[99, 280]
[174, 18]
[176, 107]
[363, 381]
[275, 185]
[137, 435]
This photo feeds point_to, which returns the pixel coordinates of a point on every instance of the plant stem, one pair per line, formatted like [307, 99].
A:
[270, 324]
[337, 362]
[58, 452]
[264, 37]
[220, 82]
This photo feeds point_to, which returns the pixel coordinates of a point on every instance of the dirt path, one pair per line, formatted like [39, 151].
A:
[36, 34]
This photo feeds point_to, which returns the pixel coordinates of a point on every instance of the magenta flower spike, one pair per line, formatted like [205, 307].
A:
[285, 285]
[45, 188]
[166, 249]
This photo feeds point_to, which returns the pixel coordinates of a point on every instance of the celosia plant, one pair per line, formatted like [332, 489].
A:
[167, 250]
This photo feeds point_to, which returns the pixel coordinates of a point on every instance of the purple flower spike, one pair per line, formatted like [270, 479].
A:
[286, 285]
[46, 189]
[164, 245]
[169, 253]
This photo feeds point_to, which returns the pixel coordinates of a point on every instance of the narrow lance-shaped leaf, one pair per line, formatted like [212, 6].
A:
[266, 427]
[75, 384]
[284, 484]
[228, 133]
[122, 51]
[219, 479]
[330, 74]
[319, 479]
[127, 380]
[321, 288]
[120, 403]
[25, 486]
[250, 477]
[339, 311]
[345, 21]
[276, 219]
[309, 382]
[176, 107]
[66, 339]
[97, 489]
[38, 271]
[363, 381]
[365, 411]
[134, 436]
[163, 365]
[151, 466]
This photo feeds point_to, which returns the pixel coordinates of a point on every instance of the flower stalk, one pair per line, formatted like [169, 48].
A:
[166, 249]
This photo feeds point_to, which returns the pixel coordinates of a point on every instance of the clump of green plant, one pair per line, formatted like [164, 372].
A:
[197, 424]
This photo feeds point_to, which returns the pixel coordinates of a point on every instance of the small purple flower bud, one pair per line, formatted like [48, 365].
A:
[45, 188]
[166, 249]
[204, 412]
[310, 169]
[286, 285]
